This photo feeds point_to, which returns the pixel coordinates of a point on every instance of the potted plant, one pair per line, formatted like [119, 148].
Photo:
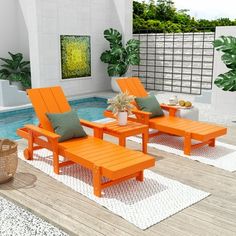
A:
[120, 56]
[121, 106]
[16, 71]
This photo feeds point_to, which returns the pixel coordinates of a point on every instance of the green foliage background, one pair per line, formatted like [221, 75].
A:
[162, 16]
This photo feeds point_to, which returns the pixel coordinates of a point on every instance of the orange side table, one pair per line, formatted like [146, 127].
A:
[131, 129]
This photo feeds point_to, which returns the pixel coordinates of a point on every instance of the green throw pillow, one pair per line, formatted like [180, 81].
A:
[67, 125]
[150, 104]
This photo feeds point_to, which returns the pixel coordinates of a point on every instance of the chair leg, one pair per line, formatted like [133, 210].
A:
[187, 144]
[145, 141]
[55, 157]
[56, 163]
[97, 181]
[28, 152]
[140, 176]
[212, 143]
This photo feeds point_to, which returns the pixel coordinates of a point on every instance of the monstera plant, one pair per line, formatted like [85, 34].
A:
[16, 70]
[120, 56]
[227, 45]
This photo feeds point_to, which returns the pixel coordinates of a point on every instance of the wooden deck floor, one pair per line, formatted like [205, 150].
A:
[77, 215]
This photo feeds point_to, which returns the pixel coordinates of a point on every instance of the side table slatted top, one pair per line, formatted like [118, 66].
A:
[131, 129]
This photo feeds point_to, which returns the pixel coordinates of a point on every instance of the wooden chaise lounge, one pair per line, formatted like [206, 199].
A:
[104, 159]
[190, 130]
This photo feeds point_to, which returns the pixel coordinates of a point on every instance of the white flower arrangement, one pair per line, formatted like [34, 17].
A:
[121, 103]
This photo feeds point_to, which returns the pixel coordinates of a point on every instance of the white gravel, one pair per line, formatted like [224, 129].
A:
[15, 221]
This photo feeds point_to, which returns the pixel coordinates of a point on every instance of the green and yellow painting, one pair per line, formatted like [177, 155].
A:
[75, 56]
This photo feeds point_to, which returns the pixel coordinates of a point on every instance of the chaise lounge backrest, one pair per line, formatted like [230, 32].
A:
[50, 100]
[133, 86]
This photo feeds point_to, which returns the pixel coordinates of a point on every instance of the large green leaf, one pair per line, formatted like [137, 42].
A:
[26, 70]
[227, 81]
[8, 61]
[133, 52]
[106, 57]
[118, 52]
[133, 45]
[113, 36]
[226, 44]
[117, 69]
[229, 60]
[4, 73]
[133, 58]
[8, 67]
[16, 57]
[24, 64]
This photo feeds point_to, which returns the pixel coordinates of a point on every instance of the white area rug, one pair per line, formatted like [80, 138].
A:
[222, 155]
[141, 203]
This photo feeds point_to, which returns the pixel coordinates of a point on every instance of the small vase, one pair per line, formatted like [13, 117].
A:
[122, 118]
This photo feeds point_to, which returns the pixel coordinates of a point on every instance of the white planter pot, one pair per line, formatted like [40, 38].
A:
[18, 84]
[122, 118]
[115, 87]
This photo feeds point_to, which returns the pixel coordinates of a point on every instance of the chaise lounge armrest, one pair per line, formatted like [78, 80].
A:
[141, 116]
[42, 132]
[172, 110]
[97, 128]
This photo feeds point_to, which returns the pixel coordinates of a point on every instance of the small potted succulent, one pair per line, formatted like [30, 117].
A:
[121, 106]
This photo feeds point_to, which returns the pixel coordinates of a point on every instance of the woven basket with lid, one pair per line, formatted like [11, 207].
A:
[8, 159]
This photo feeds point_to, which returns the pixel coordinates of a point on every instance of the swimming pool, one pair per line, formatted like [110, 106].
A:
[88, 108]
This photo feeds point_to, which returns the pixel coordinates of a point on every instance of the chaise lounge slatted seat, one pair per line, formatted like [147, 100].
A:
[114, 162]
[191, 130]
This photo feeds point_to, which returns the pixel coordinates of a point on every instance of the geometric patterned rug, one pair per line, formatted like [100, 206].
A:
[222, 156]
[141, 203]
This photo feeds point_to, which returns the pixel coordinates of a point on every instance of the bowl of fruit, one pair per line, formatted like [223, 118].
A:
[185, 104]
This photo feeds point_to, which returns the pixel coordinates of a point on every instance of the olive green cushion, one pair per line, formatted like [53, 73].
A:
[150, 104]
[67, 125]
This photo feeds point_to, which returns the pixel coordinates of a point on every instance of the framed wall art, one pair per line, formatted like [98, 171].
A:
[75, 56]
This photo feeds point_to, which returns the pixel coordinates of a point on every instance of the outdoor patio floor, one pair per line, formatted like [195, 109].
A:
[77, 215]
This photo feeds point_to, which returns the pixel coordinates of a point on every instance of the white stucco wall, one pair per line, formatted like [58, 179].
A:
[48, 19]
[13, 30]
[222, 101]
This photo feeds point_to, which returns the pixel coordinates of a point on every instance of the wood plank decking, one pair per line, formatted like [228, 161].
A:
[77, 215]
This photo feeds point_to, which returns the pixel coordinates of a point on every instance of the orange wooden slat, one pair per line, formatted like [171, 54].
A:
[133, 86]
[40, 108]
[49, 100]
[135, 158]
[60, 98]
[119, 171]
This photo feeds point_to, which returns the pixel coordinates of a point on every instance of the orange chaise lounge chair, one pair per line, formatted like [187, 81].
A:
[114, 162]
[201, 131]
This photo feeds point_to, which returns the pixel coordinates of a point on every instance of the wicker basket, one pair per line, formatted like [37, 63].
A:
[8, 159]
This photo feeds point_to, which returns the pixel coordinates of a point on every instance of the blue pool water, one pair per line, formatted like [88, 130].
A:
[88, 108]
